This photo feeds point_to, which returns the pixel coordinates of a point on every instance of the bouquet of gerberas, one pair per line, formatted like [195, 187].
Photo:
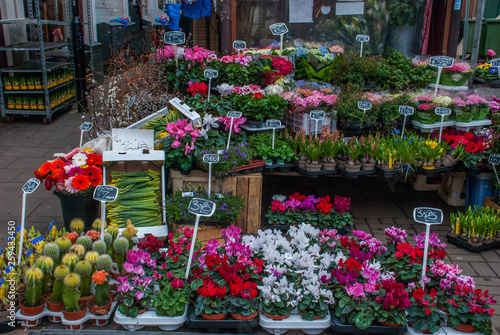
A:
[77, 172]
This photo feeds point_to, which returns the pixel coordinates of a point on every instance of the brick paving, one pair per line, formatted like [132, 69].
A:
[376, 203]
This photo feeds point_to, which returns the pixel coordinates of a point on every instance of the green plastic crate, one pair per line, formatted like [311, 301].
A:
[470, 37]
[492, 40]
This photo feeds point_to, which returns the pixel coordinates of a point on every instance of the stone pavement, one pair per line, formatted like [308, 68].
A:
[376, 203]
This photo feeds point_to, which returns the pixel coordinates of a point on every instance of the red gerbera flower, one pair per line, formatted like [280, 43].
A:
[80, 182]
[44, 169]
[57, 168]
[94, 159]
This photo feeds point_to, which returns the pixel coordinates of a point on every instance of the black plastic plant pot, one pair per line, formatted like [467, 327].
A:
[460, 242]
[215, 326]
[375, 328]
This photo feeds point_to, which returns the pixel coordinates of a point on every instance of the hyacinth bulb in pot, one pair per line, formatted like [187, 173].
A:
[33, 303]
[101, 305]
[73, 309]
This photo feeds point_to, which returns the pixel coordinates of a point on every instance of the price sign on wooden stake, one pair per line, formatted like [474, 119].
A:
[405, 111]
[279, 29]
[105, 193]
[362, 39]
[440, 62]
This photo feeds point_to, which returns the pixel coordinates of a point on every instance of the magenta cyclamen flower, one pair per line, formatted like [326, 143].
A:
[236, 123]
[395, 235]
[356, 290]
[341, 204]
[434, 241]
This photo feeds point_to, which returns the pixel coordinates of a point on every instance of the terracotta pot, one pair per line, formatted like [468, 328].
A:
[213, 316]
[99, 310]
[384, 323]
[367, 166]
[465, 328]
[85, 300]
[115, 275]
[423, 331]
[73, 316]
[341, 164]
[276, 317]
[54, 306]
[244, 317]
[31, 311]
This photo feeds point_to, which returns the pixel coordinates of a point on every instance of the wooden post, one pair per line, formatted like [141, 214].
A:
[477, 38]
[225, 17]
[447, 22]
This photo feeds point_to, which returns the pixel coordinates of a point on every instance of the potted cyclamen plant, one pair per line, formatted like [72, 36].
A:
[172, 298]
[423, 315]
[212, 302]
[137, 288]
[279, 297]
[180, 149]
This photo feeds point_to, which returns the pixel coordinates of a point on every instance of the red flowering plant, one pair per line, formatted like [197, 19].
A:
[197, 88]
[472, 149]
[423, 314]
[274, 67]
[151, 244]
[227, 277]
[469, 305]
[75, 173]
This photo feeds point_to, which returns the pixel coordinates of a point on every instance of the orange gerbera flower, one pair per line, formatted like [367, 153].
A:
[99, 277]
[80, 182]
[45, 169]
[57, 168]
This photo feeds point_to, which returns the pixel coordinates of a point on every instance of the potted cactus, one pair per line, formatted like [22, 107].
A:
[70, 259]
[84, 270]
[46, 264]
[78, 249]
[86, 241]
[55, 301]
[105, 263]
[99, 246]
[73, 310]
[76, 225]
[64, 244]
[121, 246]
[33, 303]
[101, 305]
[52, 250]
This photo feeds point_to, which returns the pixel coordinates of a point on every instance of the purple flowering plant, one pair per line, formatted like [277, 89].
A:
[137, 288]
[236, 156]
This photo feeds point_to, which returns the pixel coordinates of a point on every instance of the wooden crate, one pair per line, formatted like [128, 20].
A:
[204, 234]
[490, 202]
[248, 186]
[452, 188]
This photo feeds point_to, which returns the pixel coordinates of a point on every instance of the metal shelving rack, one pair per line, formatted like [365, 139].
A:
[38, 50]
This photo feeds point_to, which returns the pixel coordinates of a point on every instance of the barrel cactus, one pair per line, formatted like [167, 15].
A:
[104, 263]
[121, 246]
[70, 260]
[113, 231]
[34, 284]
[96, 225]
[86, 241]
[71, 293]
[60, 273]
[78, 249]
[84, 270]
[99, 246]
[51, 250]
[64, 244]
[46, 264]
[77, 225]
[92, 257]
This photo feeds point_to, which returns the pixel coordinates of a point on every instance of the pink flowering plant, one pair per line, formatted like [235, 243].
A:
[137, 289]
[304, 99]
[236, 70]
[179, 146]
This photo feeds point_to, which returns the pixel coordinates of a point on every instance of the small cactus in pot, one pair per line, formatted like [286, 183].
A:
[70, 260]
[121, 246]
[96, 225]
[113, 231]
[100, 278]
[46, 264]
[99, 246]
[104, 263]
[71, 294]
[64, 244]
[52, 250]
[77, 225]
[78, 249]
[84, 270]
[60, 273]
[34, 277]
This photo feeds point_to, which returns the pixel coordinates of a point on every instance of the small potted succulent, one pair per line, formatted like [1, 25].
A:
[73, 310]
[101, 305]
[33, 303]
[55, 300]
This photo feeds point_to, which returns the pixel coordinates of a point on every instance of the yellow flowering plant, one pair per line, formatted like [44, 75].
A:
[430, 150]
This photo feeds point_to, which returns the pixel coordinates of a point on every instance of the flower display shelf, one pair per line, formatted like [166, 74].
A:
[56, 317]
[441, 331]
[328, 173]
[464, 87]
[287, 167]
[215, 326]
[439, 169]
[256, 165]
[149, 318]
[474, 125]
[460, 242]
[294, 321]
[358, 173]
[429, 128]
[387, 173]
[342, 328]
[259, 130]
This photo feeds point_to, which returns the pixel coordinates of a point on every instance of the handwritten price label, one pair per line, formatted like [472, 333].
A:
[317, 115]
[442, 111]
[362, 38]
[234, 114]
[406, 110]
[105, 193]
[365, 104]
[428, 215]
[278, 29]
[31, 185]
[239, 45]
[175, 37]
[494, 159]
[441, 61]
[211, 73]
[211, 158]
[201, 207]
[273, 123]
[86, 126]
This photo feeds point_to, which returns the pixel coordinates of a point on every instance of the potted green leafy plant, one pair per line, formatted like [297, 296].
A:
[172, 299]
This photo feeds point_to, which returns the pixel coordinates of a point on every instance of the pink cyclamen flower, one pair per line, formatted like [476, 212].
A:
[491, 53]
[355, 290]
[128, 267]
[139, 295]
